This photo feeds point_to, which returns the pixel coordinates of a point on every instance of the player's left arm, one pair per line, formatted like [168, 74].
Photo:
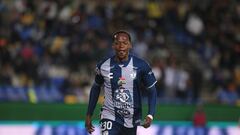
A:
[150, 81]
[152, 97]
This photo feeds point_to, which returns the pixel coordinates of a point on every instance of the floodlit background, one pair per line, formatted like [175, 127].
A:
[49, 49]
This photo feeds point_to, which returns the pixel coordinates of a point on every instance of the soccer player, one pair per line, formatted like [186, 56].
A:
[121, 76]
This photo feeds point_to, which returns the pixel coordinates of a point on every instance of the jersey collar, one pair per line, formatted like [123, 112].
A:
[124, 63]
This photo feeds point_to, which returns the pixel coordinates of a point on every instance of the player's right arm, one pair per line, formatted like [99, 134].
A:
[94, 94]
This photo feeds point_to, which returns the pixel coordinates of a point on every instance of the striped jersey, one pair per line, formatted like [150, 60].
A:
[121, 85]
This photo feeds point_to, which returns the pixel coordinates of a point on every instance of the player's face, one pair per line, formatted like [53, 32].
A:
[122, 45]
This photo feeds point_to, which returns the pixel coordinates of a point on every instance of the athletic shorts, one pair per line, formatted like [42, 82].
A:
[109, 127]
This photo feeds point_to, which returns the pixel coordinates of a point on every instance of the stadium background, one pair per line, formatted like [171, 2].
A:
[48, 52]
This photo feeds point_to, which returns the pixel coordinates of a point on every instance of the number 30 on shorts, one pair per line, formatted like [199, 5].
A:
[106, 125]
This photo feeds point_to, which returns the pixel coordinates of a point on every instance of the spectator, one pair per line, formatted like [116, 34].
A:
[228, 94]
[75, 34]
[199, 117]
[183, 88]
[170, 82]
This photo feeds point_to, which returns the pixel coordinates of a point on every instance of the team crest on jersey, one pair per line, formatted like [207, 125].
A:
[133, 74]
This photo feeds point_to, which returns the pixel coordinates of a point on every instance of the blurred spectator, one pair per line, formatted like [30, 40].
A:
[170, 81]
[140, 47]
[157, 69]
[196, 79]
[194, 24]
[199, 117]
[183, 86]
[228, 94]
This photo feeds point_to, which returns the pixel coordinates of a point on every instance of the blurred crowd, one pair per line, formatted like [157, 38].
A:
[49, 49]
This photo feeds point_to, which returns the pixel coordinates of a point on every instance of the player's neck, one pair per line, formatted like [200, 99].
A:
[118, 59]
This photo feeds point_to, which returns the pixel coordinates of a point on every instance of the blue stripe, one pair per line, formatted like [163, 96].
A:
[117, 73]
[136, 97]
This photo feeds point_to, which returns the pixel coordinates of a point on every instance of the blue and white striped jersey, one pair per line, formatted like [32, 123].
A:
[121, 84]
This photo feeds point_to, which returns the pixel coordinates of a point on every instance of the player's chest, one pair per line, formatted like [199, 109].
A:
[116, 73]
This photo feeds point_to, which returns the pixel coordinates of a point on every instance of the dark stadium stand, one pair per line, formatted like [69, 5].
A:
[49, 48]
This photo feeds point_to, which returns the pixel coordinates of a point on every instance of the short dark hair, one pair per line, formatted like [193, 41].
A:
[121, 31]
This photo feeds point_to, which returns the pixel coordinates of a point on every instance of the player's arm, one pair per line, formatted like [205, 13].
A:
[149, 81]
[152, 98]
[94, 94]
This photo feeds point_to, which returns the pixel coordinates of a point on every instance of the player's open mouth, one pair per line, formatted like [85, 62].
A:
[122, 52]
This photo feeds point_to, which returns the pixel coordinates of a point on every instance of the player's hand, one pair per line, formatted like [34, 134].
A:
[147, 122]
[88, 124]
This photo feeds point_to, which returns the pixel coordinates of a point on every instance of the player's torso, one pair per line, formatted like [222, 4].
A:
[121, 82]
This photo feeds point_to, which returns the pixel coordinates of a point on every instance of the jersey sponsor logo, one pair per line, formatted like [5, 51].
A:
[123, 105]
[124, 113]
[110, 75]
[123, 95]
[121, 81]
[123, 102]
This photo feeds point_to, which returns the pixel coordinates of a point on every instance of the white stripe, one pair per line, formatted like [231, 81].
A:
[108, 108]
[126, 71]
[152, 85]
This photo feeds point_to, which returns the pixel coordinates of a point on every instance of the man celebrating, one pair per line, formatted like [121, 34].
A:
[121, 76]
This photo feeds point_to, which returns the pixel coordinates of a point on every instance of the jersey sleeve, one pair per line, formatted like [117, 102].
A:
[98, 77]
[149, 79]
